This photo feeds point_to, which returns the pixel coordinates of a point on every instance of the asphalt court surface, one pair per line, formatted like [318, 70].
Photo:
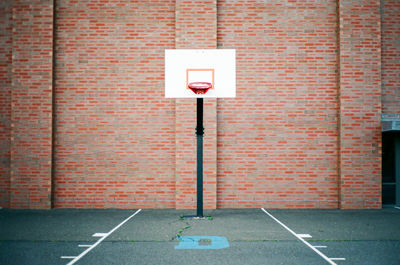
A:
[248, 236]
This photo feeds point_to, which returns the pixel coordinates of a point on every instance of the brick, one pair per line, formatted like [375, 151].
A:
[280, 133]
[5, 99]
[115, 140]
[390, 56]
[303, 131]
[31, 101]
[360, 104]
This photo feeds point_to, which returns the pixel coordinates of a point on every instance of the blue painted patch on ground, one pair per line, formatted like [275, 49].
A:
[193, 242]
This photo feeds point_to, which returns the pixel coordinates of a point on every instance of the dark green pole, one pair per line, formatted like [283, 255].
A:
[199, 135]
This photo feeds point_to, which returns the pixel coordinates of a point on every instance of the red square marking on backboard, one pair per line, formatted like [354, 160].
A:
[197, 70]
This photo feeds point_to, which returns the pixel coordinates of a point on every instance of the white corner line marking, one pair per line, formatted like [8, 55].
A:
[99, 234]
[68, 257]
[84, 246]
[101, 239]
[301, 239]
[337, 258]
[320, 246]
[304, 235]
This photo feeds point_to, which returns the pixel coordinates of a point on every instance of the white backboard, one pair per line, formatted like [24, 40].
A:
[216, 66]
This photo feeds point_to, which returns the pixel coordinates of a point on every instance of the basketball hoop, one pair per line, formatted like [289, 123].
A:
[200, 87]
[199, 70]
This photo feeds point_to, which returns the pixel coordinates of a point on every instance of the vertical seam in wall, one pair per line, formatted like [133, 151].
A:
[53, 116]
[12, 118]
[381, 11]
[380, 94]
[11, 108]
[339, 156]
[174, 113]
[216, 113]
[215, 204]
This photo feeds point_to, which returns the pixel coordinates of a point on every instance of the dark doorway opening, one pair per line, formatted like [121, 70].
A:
[391, 168]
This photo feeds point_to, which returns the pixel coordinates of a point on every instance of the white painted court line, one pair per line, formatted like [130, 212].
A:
[84, 246]
[320, 246]
[68, 257]
[100, 234]
[101, 239]
[301, 239]
[397, 207]
[304, 235]
[337, 258]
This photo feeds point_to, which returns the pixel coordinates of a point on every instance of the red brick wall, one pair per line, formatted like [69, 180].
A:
[115, 144]
[31, 115]
[196, 28]
[360, 104]
[5, 99]
[303, 131]
[390, 56]
[277, 140]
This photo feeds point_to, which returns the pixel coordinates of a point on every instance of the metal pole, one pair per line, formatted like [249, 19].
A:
[199, 135]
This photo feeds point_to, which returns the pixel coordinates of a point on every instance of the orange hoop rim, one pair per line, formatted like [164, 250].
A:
[200, 85]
